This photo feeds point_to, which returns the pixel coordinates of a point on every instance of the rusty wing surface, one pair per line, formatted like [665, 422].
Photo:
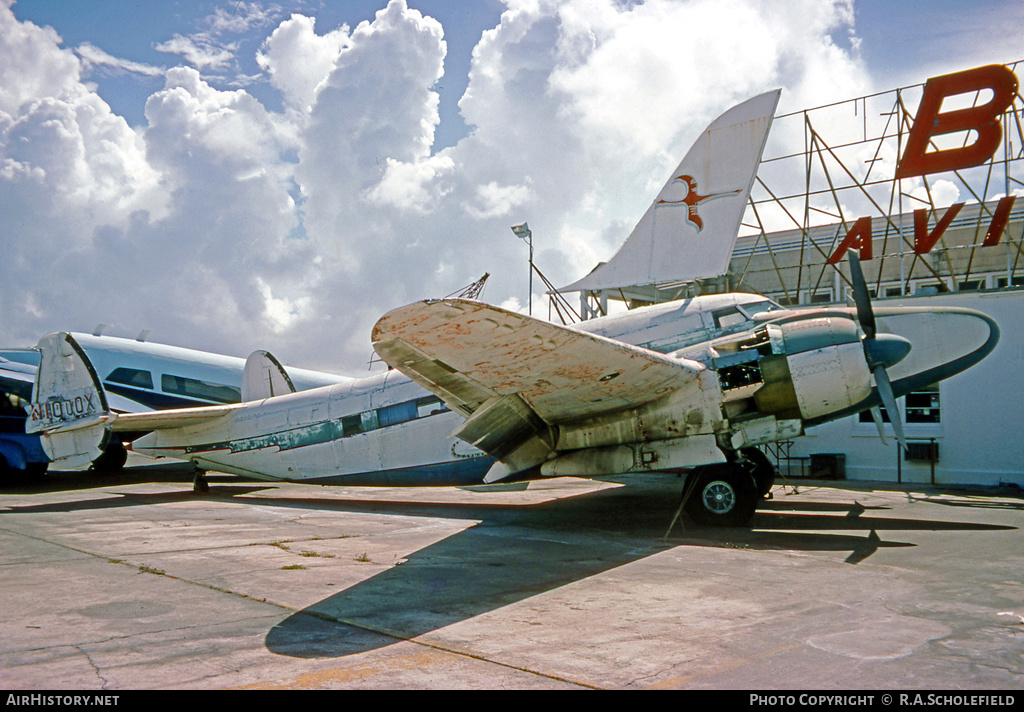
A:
[469, 353]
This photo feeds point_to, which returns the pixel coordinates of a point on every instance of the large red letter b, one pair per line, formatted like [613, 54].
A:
[983, 119]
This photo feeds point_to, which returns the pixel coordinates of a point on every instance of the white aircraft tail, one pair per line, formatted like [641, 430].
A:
[69, 408]
[264, 377]
[689, 230]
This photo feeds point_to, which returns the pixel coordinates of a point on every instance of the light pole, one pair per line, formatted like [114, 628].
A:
[523, 233]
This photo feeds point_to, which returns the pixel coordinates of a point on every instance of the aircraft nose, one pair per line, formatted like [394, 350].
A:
[886, 350]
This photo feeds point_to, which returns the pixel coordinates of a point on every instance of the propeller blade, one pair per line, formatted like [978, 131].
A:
[880, 352]
[861, 298]
[889, 401]
[876, 415]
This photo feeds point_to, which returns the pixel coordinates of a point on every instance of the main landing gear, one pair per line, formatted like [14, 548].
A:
[199, 483]
[727, 494]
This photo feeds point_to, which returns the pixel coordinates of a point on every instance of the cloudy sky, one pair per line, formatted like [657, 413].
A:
[234, 174]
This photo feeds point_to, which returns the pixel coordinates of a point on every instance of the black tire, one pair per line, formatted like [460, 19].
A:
[200, 485]
[112, 460]
[721, 495]
[36, 471]
[762, 470]
[32, 473]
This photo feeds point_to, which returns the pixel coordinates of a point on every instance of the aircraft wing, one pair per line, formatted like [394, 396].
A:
[165, 419]
[468, 352]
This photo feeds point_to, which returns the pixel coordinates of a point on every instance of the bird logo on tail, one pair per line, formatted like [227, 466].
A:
[692, 199]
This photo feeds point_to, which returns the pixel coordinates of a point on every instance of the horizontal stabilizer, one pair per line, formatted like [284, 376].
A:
[264, 377]
[69, 407]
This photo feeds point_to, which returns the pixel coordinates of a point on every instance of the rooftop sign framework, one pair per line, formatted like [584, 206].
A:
[922, 179]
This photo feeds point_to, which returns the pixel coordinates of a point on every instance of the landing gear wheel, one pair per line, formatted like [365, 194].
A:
[112, 460]
[199, 483]
[763, 471]
[721, 495]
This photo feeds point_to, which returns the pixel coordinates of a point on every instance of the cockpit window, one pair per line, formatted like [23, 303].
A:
[730, 316]
[758, 307]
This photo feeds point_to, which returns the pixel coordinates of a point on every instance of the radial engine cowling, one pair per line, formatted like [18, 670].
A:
[812, 367]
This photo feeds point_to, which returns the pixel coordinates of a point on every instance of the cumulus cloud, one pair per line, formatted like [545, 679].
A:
[227, 225]
[297, 59]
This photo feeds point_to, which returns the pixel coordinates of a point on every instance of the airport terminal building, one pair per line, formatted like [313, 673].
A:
[923, 182]
[964, 430]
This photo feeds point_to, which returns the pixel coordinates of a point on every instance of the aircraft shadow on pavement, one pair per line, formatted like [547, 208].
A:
[515, 552]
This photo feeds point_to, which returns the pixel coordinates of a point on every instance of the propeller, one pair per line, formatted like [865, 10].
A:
[881, 351]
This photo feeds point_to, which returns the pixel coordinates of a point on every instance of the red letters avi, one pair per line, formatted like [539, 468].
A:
[917, 160]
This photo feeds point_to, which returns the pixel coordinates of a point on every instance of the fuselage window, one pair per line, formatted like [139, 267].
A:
[217, 392]
[394, 414]
[351, 425]
[391, 415]
[131, 377]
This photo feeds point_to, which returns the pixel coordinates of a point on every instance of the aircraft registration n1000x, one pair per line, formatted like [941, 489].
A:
[689, 386]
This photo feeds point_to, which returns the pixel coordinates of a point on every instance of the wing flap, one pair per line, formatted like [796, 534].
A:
[468, 352]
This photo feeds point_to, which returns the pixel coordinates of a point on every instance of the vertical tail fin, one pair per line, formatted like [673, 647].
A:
[688, 232]
[264, 377]
[69, 408]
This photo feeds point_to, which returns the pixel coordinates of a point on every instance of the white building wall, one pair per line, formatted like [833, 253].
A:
[981, 433]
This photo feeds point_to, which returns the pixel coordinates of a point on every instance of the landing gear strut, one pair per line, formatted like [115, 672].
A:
[762, 470]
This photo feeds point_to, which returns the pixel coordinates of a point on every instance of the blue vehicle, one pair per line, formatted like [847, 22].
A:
[21, 455]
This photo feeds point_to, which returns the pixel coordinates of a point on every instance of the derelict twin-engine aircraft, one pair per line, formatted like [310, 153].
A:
[695, 385]
[140, 376]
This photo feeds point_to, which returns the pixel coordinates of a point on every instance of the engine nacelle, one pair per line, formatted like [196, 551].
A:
[803, 369]
[829, 379]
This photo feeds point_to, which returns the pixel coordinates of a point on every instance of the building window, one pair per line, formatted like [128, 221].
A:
[922, 407]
